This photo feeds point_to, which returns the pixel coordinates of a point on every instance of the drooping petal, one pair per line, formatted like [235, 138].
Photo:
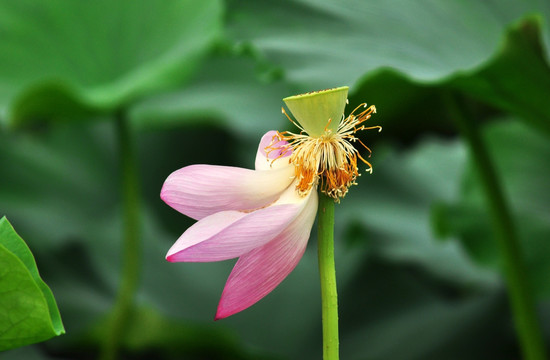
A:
[230, 234]
[272, 153]
[258, 272]
[201, 190]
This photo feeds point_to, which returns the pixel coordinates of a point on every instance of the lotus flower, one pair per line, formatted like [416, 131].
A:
[264, 216]
[255, 215]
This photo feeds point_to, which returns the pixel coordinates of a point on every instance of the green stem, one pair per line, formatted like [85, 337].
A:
[131, 249]
[329, 296]
[523, 306]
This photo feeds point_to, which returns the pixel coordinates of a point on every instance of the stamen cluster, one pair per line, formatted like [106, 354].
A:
[329, 160]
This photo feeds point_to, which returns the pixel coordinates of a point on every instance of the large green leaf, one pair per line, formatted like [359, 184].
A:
[227, 91]
[518, 78]
[319, 45]
[327, 43]
[61, 58]
[235, 91]
[28, 312]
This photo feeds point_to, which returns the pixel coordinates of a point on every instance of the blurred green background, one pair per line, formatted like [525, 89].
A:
[419, 271]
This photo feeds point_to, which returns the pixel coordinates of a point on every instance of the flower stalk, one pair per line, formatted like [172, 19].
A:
[131, 247]
[521, 300]
[329, 295]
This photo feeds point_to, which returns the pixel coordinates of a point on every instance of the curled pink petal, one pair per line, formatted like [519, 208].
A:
[272, 152]
[258, 272]
[201, 190]
[229, 234]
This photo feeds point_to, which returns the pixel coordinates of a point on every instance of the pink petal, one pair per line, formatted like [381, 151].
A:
[229, 234]
[258, 272]
[272, 153]
[201, 190]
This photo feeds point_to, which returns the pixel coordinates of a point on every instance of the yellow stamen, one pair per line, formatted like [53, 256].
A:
[330, 157]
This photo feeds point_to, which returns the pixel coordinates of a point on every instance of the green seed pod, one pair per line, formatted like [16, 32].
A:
[319, 110]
